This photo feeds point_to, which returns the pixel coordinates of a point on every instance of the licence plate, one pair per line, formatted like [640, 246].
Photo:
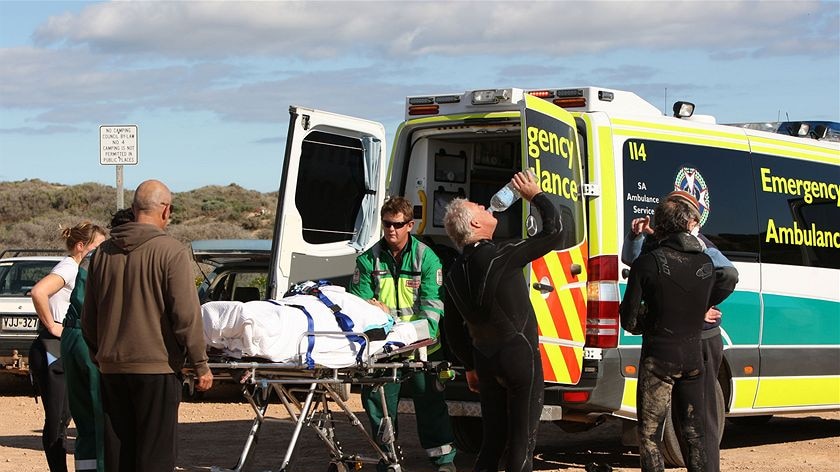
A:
[20, 323]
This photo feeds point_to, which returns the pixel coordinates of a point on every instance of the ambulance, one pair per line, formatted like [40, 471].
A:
[770, 201]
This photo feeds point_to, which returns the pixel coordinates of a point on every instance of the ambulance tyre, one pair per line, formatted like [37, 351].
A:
[468, 433]
[671, 442]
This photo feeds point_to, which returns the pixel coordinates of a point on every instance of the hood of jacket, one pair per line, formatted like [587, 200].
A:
[130, 236]
[684, 242]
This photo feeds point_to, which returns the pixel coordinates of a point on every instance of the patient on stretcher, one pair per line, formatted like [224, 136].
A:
[274, 330]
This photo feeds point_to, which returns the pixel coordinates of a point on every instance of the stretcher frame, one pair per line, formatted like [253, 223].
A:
[324, 387]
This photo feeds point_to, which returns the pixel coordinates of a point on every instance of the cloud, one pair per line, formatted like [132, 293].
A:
[42, 130]
[415, 28]
[74, 86]
[245, 61]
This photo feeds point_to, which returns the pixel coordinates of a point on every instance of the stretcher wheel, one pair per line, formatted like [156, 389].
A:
[190, 394]
[337, 467]
[391, 467]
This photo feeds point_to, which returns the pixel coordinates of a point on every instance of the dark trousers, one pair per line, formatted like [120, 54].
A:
[660, 384]
[511, 384]
[143, 409]
[712, 358]
[49, 379]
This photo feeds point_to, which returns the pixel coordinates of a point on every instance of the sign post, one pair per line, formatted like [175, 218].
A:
[118, 147]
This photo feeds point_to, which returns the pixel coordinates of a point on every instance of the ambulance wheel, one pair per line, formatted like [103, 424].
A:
[671, 450]
[468, 432]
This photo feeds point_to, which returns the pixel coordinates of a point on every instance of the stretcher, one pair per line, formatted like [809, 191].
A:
[316, 397]
[309, 348]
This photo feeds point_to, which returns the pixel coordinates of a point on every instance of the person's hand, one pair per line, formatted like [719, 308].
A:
[472, 381]
[525, 184]
[713, 315]
[380, 305]
[55, 329]
[204, 382]
[641, 225]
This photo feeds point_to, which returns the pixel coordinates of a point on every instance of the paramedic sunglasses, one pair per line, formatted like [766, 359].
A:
[395, 224]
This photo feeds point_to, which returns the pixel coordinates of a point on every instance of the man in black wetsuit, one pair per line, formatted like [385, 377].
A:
[486, 291]
[668, 292]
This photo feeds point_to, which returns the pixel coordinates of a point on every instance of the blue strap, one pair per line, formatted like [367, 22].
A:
[310, 323]
[343, 321]
[391, 345]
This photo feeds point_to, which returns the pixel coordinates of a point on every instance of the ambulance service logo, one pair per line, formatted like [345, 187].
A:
[689, 180]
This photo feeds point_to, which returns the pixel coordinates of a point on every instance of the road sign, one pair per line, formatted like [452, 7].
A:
[118, 145]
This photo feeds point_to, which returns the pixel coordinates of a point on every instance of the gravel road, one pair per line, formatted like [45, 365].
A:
[212, 433]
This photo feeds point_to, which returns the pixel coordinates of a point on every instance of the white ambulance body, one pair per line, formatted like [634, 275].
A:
[770, 203]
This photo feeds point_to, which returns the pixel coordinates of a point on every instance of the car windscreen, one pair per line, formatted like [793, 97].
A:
[18, 277]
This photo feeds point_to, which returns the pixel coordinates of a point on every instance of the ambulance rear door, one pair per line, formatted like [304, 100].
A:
[557, 280]
[332, 183]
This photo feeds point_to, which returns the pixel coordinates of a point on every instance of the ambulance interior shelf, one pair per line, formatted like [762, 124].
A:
[475, 170]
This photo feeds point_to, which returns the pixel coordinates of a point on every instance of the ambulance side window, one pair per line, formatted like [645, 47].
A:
[330, 186]
[799, 216]
[719, 178]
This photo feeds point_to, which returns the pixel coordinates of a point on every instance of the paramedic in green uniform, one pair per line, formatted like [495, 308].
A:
[82, 378]
[405, 277]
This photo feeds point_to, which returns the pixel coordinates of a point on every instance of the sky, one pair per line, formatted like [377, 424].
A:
[209, 83]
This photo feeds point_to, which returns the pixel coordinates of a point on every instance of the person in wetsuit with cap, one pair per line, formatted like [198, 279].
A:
[669, 291]
[638, 241]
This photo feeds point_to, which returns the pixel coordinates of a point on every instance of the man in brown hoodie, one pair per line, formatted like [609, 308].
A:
[141, 320]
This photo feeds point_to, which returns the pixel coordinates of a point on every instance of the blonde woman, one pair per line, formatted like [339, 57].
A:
[51, 297]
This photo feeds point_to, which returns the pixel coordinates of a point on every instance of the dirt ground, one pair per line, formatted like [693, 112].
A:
[212, 433]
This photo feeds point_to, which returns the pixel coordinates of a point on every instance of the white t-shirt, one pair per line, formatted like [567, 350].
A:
[67, 269]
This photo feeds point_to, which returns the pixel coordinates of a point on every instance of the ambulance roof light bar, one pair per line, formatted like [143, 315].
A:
[591, 99]
[575, 99]
[491, 97]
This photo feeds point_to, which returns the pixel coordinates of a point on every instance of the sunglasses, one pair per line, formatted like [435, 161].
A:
[395, 224]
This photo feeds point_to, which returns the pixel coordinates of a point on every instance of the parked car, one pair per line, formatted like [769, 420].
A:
[18, 320]
[239, 273]
[240, 268]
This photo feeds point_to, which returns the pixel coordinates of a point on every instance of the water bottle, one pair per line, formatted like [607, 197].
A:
[506, 196]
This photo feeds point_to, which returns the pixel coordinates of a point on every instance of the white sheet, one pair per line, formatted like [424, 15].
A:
[272, 331]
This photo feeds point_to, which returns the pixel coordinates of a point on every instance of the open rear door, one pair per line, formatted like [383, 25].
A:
[332, 183]
[557, 280]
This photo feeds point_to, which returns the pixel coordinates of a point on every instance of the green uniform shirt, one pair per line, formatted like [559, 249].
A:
[412, 287]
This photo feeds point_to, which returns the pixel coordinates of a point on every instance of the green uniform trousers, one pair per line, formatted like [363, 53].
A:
[83, 390]
[433, 425]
